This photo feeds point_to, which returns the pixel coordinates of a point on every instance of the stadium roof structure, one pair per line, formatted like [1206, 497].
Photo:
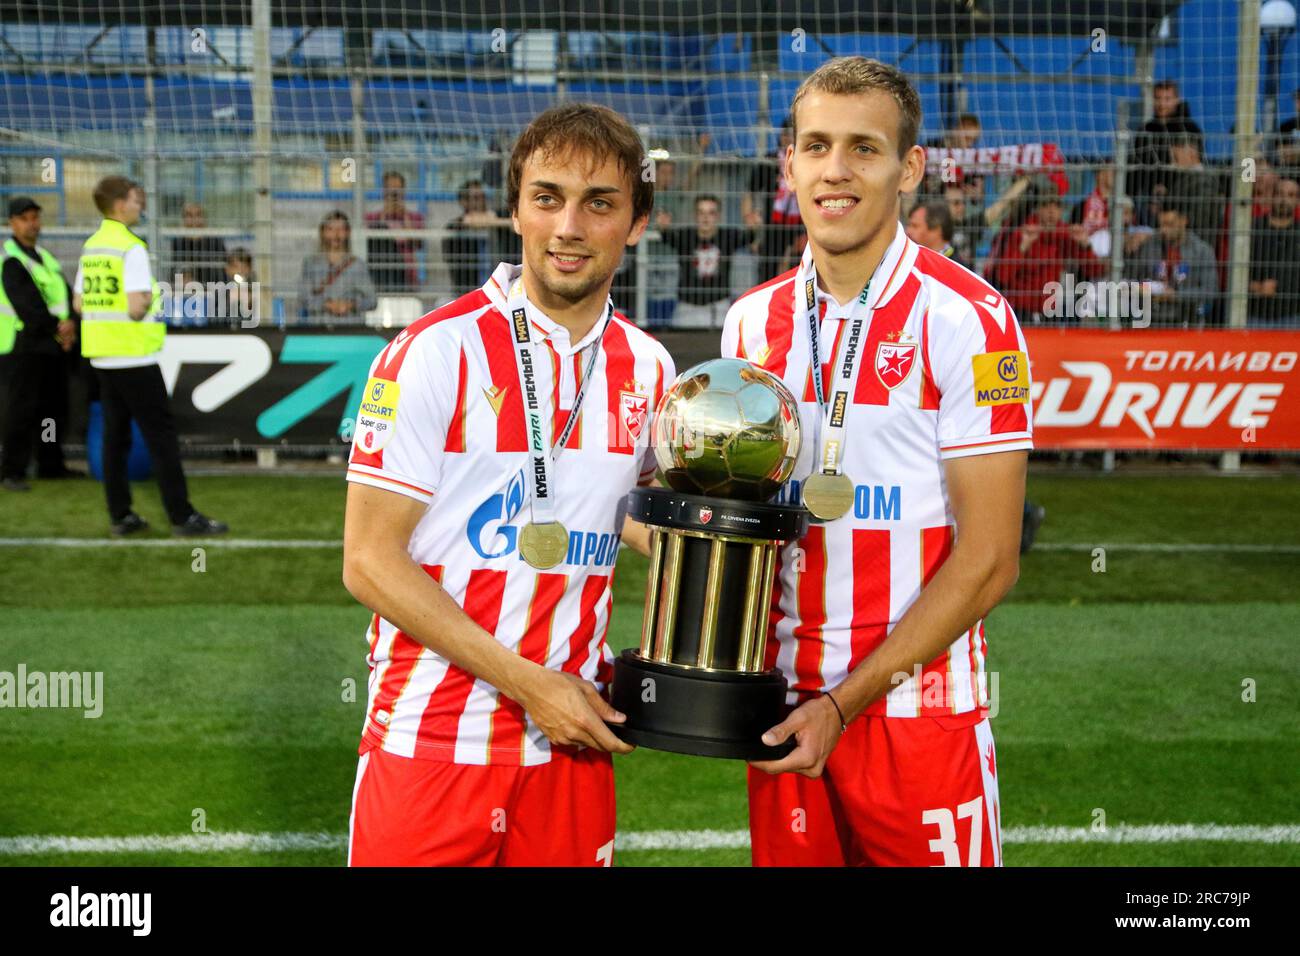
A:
[1132, 20]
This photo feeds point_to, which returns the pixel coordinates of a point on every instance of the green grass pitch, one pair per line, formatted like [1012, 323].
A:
[1119, 691]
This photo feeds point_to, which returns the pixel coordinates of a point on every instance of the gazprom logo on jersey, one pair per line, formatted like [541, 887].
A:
[877, 502]
[492, 535]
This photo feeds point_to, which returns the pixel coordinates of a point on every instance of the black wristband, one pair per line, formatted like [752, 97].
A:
[844, 728]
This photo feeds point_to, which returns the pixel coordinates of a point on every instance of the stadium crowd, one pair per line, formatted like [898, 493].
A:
[1025, 229]
[1030, 227]
[1175, 226]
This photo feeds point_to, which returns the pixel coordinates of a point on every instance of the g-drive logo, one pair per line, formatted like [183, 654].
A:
[492, 535]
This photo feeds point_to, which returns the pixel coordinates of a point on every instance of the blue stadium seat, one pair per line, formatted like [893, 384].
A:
[1290, 76]
[720, 53]
[465, 50]
[57, 102]
[311, 106]
[1079, 115]
[904, 52]
[614, 52]
[1039, 55]
[295, 46]
[1204, 64]
[460, 108]
[727, 110]
[187, 104]
[1048, 56]
[664, 107]
[50, 42]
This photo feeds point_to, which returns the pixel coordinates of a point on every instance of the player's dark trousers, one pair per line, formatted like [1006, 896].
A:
[37, 397]
[139, 393]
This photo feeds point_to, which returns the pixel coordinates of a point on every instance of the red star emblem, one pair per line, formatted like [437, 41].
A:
[894, 361]
[993, 766]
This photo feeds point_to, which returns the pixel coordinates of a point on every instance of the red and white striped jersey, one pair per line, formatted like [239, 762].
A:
[442, 421]
[945, 374]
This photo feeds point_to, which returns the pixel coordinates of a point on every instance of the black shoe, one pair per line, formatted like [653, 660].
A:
[131, 524]
[66, 473]
[1034, 515]
[15, 484]
[198, 524]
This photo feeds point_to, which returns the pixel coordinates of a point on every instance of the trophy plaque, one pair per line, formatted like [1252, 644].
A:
[726, 438]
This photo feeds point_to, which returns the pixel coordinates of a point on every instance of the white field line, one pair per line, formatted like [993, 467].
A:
[195, 542]
[638, 840]
[1170, 548]
[290, 543]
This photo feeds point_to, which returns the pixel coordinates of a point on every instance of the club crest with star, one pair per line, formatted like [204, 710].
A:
[894, 360]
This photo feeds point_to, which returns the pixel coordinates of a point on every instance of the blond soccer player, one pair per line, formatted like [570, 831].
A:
[918, 433]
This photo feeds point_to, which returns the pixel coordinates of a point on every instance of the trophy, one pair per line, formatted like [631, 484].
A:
[726, 437]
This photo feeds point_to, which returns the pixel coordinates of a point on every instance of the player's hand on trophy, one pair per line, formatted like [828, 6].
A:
[816, 727]
[569, 710]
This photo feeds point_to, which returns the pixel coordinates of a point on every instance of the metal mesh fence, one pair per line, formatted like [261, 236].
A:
[350, 161]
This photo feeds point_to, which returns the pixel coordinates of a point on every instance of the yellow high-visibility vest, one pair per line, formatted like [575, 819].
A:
[107, 329]
[48, 276]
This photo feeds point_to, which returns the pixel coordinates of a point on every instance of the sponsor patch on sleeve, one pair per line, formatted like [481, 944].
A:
[377, 416]
[1001, 378]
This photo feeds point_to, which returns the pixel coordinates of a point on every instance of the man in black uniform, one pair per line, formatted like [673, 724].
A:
[704, 252]
[36, 315]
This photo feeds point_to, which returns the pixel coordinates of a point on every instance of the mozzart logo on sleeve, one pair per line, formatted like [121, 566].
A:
[1001, 378]
[377, 414]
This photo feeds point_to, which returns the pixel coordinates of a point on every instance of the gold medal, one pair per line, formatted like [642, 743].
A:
[544, 545]
[828, 496]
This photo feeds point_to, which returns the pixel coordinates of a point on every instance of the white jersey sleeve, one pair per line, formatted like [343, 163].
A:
[731, 331]
[668, 372]
[980, 365]
[402, 420]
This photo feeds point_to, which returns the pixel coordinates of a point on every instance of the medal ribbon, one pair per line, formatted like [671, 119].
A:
[834, 413]
[542, 452]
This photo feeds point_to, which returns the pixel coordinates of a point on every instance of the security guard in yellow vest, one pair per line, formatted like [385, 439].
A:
[37, 332]
[121, 334]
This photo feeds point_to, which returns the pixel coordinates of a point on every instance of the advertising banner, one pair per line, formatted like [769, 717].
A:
[1165, 389]
[1092, 389]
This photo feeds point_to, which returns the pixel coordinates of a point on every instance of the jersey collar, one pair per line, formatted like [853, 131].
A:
[888, 278]
[497, 289]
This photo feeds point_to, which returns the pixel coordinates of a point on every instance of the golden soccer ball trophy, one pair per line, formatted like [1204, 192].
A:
[726, 436]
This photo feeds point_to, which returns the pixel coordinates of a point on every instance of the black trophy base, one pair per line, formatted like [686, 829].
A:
[703, 713]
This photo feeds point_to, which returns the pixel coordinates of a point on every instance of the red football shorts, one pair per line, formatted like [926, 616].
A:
[896, 791]
[416, 812]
